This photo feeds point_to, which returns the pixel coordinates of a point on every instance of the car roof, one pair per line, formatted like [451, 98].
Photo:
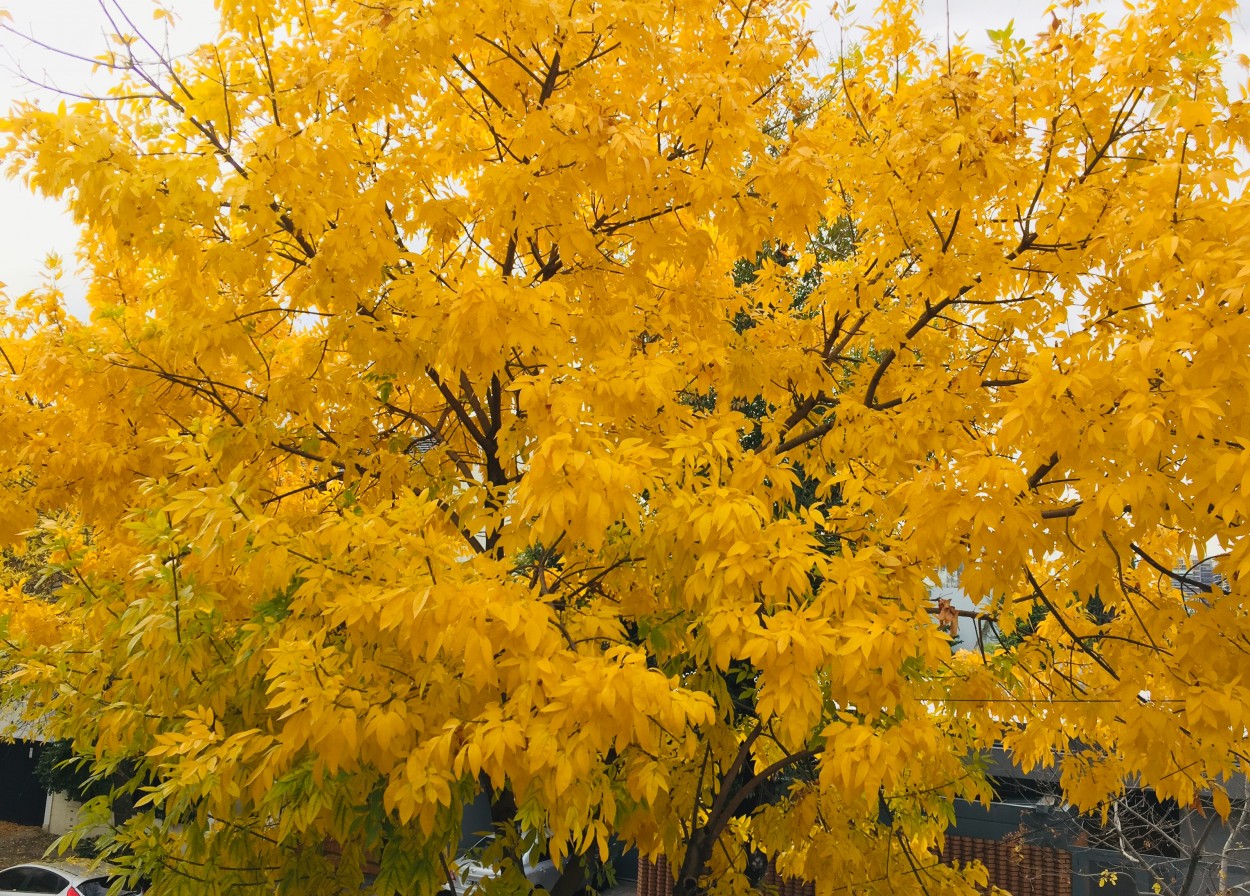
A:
[75, 871]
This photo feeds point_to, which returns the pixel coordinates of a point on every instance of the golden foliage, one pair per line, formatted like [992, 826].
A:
[428, 444]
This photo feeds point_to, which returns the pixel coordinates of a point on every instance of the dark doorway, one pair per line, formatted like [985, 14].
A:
[22, 797]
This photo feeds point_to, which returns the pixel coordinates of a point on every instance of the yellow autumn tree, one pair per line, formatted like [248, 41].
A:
[572, 404]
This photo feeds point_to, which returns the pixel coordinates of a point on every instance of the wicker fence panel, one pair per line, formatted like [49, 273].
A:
[1019, 868]
[787, 886]
[654, 878]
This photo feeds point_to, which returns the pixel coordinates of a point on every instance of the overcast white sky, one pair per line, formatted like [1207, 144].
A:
[30, 228]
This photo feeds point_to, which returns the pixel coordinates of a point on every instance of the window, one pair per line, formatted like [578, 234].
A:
[41, 880]
[13, 879]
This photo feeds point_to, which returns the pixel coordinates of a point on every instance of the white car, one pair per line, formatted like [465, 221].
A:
[59, 879]
[539, 870]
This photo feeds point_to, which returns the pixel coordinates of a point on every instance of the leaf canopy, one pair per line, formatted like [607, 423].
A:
[576, 404]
